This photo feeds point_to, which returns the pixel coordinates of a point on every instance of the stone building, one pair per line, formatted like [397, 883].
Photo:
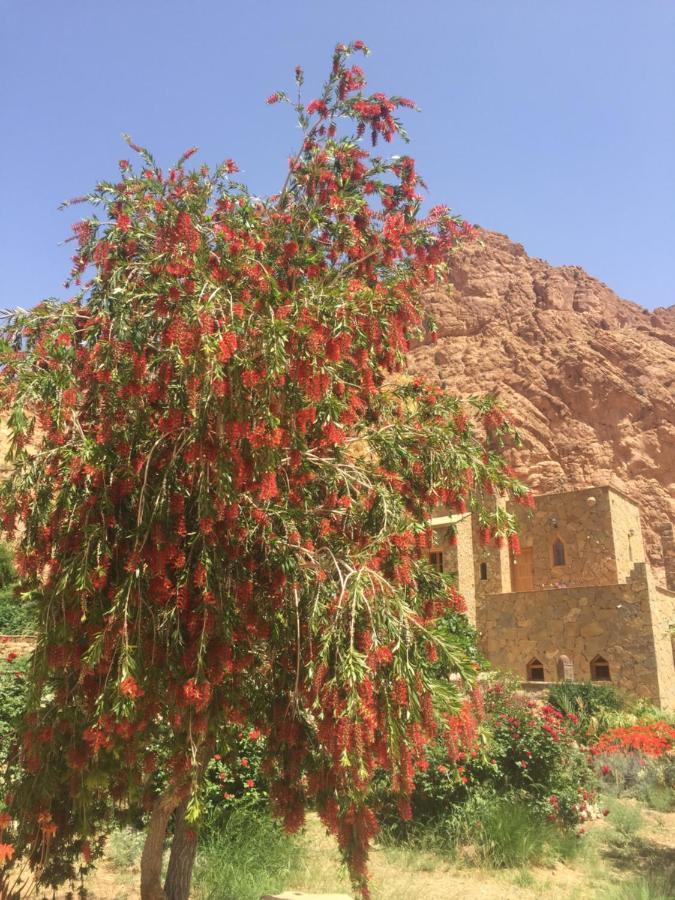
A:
[580, 601]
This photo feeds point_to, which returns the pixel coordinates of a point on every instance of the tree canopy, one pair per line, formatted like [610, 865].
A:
[220, 489]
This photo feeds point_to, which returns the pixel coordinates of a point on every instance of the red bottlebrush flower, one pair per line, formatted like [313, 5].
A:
[227, 346]
[275, 97]
[268, 488]
[5, 820]
[400, 692]
[485, 535]
[123, 222]
[514, 544]
[130, 688]
[6, 852]
[317, 106]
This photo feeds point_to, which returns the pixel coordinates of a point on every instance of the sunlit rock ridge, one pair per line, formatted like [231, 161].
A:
[589, 377]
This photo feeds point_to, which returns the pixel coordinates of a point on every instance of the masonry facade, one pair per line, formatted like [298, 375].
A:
[580, 601]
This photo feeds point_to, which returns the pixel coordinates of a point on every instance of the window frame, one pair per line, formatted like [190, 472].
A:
[555, 543]
[535, 663]
[601, 661]
[437, 552]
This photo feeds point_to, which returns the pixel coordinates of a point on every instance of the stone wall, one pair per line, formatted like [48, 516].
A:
[629, 547]
[497, 565]
[668, 550]
[582, 521]
[612, 621]
[663, 628]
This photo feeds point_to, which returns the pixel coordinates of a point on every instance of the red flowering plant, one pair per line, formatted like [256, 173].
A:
[220, 496]
[645, 738]
[234, 777]
[498, 744]
[638, 760]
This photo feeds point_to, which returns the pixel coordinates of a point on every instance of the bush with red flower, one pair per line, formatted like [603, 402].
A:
[502, 744]
[649, 739]
[638, 760]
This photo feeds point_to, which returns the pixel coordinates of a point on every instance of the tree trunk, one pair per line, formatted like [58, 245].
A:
[182, 859]
[153, 848]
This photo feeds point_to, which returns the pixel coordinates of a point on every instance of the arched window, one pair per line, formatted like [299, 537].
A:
[483, 571]
[436, 560]
[535, 670]
[558, 552]
[565, 669]
[600, 669]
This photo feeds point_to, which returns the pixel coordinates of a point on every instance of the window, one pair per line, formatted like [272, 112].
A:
[483, 571]
[535, 670]
[600, 669]
[558, 552]
[436, 560]
[565, 669]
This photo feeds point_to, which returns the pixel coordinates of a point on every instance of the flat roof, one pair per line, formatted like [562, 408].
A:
[597, 487]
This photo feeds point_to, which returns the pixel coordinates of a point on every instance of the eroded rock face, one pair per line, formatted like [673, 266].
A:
[589, 377]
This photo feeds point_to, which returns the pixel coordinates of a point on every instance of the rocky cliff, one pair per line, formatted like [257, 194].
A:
[589, 377]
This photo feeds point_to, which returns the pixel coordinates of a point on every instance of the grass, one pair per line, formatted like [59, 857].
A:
[504, 851]
[510, 835]
[627, 822]
[641, 887]
[125, 847]
[248, 857]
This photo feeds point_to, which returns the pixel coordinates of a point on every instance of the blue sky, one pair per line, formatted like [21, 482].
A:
[550, 120]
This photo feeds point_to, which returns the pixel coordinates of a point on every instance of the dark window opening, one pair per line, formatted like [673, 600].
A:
[600, 669]
[436, 560]
[535, 671]
[558, 552]
[483, 571]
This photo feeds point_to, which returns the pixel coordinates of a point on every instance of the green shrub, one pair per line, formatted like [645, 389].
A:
[17, 614]
[645, 778]
[12, 694]
[526, 781]
[593, 704]
[7, 570]
[250, 856]
[235, 781]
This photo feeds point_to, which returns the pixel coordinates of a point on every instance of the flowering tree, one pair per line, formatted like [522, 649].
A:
[221, 494]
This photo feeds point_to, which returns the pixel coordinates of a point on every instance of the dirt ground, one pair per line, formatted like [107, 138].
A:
[407, 875]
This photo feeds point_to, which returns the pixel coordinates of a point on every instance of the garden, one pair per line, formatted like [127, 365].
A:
[571, 792]
[220, 482]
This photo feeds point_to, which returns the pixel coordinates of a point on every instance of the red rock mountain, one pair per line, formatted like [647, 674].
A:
[589, 377]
